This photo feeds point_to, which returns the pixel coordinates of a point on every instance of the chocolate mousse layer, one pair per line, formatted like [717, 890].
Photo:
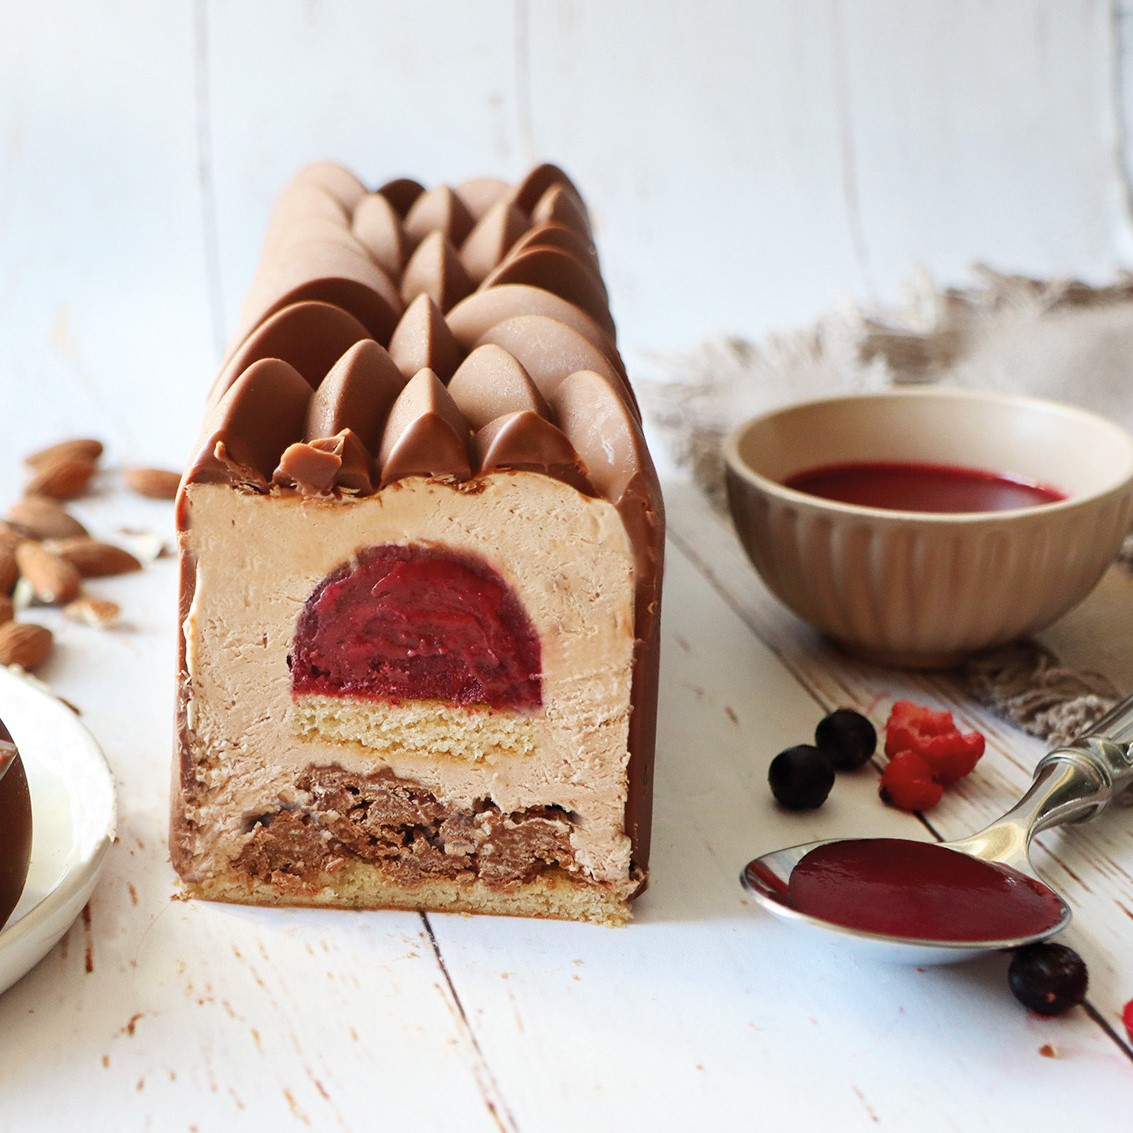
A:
[421, 543]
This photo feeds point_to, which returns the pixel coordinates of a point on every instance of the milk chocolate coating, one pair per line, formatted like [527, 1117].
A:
[367, 305]
[15, 826]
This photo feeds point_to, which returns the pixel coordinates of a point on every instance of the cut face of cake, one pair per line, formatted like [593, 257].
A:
[421, 554]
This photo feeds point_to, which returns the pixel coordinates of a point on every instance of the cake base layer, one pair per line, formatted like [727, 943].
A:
[361, 885]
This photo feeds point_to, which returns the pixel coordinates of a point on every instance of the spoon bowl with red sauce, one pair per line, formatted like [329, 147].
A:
[929, 903]
[917, 526]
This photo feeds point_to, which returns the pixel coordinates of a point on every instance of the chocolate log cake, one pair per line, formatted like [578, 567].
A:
[421, 544]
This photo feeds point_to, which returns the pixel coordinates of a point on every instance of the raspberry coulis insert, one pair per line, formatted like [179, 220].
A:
[417, 623]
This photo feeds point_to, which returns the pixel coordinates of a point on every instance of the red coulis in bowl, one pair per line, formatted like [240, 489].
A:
[919, 890]
[911, 486]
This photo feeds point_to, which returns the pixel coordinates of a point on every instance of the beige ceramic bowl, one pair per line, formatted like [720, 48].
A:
[921, 589]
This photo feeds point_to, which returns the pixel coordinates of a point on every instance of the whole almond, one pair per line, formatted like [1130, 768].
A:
[154, 483]
[61, 478]
[53, 580]
[10, 536]
[25, 644]
[9, 569]
[43, 518]
[7, 609]
[92, 611]
[93, 558]
[78, 448]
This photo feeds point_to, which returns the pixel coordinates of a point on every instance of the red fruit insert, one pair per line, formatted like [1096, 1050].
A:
[409, 623]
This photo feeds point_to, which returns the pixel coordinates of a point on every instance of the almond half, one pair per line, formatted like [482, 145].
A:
[25, 644]
[93, 558]
[61, 478]
[52, 579]
[154, 483]
[43, 518]
[77, 448]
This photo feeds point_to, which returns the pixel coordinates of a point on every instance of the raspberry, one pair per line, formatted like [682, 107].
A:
[1048, 978]
[1127, 1019]
[801, 777]
[908, 783]
[934, 736]
[847, 737]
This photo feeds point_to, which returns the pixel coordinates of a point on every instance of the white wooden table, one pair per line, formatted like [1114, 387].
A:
[704, 1013]
[141, 151]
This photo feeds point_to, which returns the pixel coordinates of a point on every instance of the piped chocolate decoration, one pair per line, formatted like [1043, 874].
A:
[435, 270]
[560, 272]
[356, 394]
[526, 442]
[377, 227]
[423, 339]
[491, 383]
[489, 242]
[479, 194]
[441, 211]
[310, 336]
[259, 416]
[425, 434]
[538, 180]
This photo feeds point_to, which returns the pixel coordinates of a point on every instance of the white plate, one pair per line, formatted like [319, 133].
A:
[73, 820]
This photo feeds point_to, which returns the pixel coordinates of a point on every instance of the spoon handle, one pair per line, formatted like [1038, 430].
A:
[1085, 775]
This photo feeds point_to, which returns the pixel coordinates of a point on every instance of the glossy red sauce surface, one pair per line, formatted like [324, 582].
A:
[412, 623]
[921, 487]
[918, 889]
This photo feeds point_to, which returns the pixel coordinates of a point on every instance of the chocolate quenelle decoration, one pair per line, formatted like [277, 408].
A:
[444, 332]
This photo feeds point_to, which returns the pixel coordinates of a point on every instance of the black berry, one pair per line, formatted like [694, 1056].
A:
[1048, 978]
[801, 777]
[846, 737]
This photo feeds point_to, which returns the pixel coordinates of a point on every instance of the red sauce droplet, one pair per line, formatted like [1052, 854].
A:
[413, 623]
[919, 890]
[901, 486]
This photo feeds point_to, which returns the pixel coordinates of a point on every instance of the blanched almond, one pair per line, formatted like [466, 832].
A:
[53, 580]
[79, 448]
[43, 518]
[62, 478]
[93, 558]
[25, 644]
[154, 483]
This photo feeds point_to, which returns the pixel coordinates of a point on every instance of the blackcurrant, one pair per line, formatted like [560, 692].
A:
[846, 737]
[1048, 978]
[801, 777]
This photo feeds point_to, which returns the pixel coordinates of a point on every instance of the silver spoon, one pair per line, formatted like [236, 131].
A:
[1071, 784]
